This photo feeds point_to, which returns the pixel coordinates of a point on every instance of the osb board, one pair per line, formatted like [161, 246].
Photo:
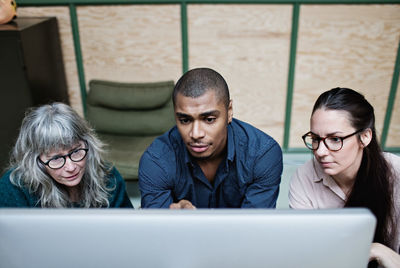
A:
[131, 43]
[393, 139]
[345, 46]
[67, 46]
[249, 46]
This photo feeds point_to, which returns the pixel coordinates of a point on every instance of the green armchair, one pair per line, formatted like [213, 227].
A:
[128, 117]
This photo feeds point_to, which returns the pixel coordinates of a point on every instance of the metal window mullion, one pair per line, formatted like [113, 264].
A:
[78, 54]
[391, 98]
[292, 65]
[184, 35]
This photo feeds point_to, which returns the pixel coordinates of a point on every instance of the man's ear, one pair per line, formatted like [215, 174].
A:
[230, 112]
[366, 137]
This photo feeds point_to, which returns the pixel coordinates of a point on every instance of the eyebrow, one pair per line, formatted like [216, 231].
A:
[58, 155]
[208, 113]
[329, 134]
[205, 114]
[182, 115]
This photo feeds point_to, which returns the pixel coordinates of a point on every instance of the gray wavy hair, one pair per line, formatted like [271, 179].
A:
[52, 127]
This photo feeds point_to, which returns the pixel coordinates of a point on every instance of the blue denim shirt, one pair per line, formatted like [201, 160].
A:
[249, 177]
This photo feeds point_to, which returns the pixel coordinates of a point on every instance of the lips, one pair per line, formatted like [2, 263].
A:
[325, 164]
[198, 148]
[70, 178]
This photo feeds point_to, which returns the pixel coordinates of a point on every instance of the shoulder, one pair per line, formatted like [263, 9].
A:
[5, 180]
[114, 177]
[165, 145]
[304, 175]
[12, 195]
[118, 196]
[252, 137]
[303, 188]
[163, 156]
[394, 163]
[114, 180]
[6, 184]
[393, 160]
[307, 169]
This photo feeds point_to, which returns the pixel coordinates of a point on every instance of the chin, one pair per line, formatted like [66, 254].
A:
[201, 157]
[330, 171]
[73, 184]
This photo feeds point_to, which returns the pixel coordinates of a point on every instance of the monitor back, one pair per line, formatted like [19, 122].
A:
[185, 239]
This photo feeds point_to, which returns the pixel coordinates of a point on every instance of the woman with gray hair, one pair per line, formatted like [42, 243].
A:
[58, 162]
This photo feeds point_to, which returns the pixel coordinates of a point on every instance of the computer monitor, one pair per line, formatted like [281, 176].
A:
[185, 239]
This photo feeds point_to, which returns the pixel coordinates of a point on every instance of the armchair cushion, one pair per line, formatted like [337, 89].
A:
[125, 152]
[128, 117]
[129, 95]
[131, 122]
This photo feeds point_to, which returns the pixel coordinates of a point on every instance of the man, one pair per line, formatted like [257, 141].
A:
[209, 159]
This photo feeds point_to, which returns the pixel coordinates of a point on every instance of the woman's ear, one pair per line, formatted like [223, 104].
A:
[366, 137]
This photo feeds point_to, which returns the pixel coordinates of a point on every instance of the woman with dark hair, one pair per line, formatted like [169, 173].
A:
[349, 169]
[58, 162]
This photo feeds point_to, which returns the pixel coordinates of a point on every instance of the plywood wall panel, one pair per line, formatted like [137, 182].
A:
[393, 139]
[249, 46]
[338, 45]
[346, 46]
[131, 43]
[67, 46]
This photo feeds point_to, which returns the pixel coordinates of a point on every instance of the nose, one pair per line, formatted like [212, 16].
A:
[197, 131]
[322, 150]
[69, 164]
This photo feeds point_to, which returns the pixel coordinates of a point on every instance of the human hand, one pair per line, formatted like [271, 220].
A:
[183, 204]
[384, 255]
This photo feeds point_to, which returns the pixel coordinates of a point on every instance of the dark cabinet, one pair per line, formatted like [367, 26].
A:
[31, 73]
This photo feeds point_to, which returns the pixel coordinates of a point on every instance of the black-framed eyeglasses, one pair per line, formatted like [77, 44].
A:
[58, 161]
[333, 143]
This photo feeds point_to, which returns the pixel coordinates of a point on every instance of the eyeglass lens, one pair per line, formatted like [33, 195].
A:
[332, 143]
[75, 156]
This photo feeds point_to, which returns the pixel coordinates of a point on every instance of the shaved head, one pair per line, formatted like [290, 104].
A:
[196, 82]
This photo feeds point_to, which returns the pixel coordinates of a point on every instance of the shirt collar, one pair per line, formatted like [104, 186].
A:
[230, 144]
[230, 147]
[187, 157]
[321, 176]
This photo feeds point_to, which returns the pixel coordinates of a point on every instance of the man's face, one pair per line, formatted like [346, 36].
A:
[202, 123]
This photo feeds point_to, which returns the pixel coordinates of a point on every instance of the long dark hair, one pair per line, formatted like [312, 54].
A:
[373, 187]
